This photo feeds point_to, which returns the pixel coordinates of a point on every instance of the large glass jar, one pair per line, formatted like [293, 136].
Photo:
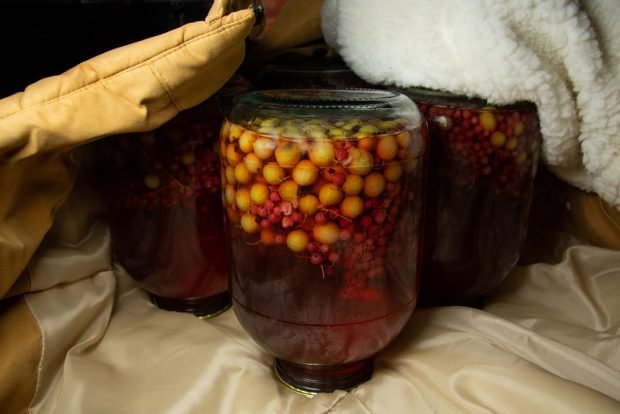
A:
[165, 210]
[482, 168]
[323, 191]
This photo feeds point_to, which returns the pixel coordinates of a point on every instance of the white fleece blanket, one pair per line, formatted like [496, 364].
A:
[563, 55]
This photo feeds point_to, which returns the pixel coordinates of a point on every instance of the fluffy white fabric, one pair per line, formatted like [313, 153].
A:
[563, 55]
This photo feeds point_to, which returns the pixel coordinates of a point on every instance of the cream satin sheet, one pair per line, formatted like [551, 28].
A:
[547, 342]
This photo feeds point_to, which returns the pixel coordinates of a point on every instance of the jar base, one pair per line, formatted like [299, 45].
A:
[204, 308]
[310, 379]
[438, 301]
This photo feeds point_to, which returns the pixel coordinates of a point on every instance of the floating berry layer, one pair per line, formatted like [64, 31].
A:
[166, 213]
[164, 167]
[323, 218]
[483, 163]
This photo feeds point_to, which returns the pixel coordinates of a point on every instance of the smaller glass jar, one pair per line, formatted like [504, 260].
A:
[165, 212]
[323, 191]
[482, 168]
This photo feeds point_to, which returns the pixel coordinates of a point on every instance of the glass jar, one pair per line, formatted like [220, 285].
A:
[165, 210]
[483, 163]
[323, 191]
[305, 72]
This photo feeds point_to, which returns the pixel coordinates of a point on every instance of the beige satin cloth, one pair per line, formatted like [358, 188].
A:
[547, 341]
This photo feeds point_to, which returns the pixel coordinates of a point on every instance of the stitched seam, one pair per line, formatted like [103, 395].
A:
[43, 346]
[149, 62]
[166, 85]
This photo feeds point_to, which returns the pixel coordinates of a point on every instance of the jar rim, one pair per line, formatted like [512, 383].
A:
[326, 104]
[446, 98]
[274, 69]
[355, 99]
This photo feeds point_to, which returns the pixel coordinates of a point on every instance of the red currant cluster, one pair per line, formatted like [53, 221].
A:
[167, 166]
[496, 145]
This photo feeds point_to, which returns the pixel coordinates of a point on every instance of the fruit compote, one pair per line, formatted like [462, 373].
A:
[165, 210]
[482, 168]
[323, 197]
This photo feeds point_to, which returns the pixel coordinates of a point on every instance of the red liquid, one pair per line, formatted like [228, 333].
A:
[169, 251]
[480, 190]
[298, 315]
[166, 217]
[333, 302]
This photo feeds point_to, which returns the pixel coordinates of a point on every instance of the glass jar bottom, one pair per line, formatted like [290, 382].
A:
[310, 379]
[204, 308]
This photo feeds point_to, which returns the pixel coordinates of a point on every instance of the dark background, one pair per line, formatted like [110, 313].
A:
[44, 38]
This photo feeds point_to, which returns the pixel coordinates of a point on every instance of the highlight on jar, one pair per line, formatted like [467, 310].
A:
[484, 161]
[323, 194]
[165, 212]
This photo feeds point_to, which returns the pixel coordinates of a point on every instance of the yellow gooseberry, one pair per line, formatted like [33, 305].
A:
[512, 143]
[225, 130]
[270, 122]
[326, 233]
[253, 163]
[152, 181]
[336, 132]
[264, 147]
[330, 194]
[393, 171]
[316, 133]
[321, 153]
[368, 143]
[288, 190]
[353, 184]
[404, 139]
[368, 129]
[387, 147]
[518, 128]
[242, 174]
[361, 161]
[374, 184]
[249, 223]
[273, 173]
[308, 204]
[352, 206]
[305, 173]
[297, 240]
[242, 199]
[229, 173]
[259, 193]
[234, 132]
[498, 139]
[246, 141]
[229, 194]
[287, 154]
[233, 154]
[487, 121]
